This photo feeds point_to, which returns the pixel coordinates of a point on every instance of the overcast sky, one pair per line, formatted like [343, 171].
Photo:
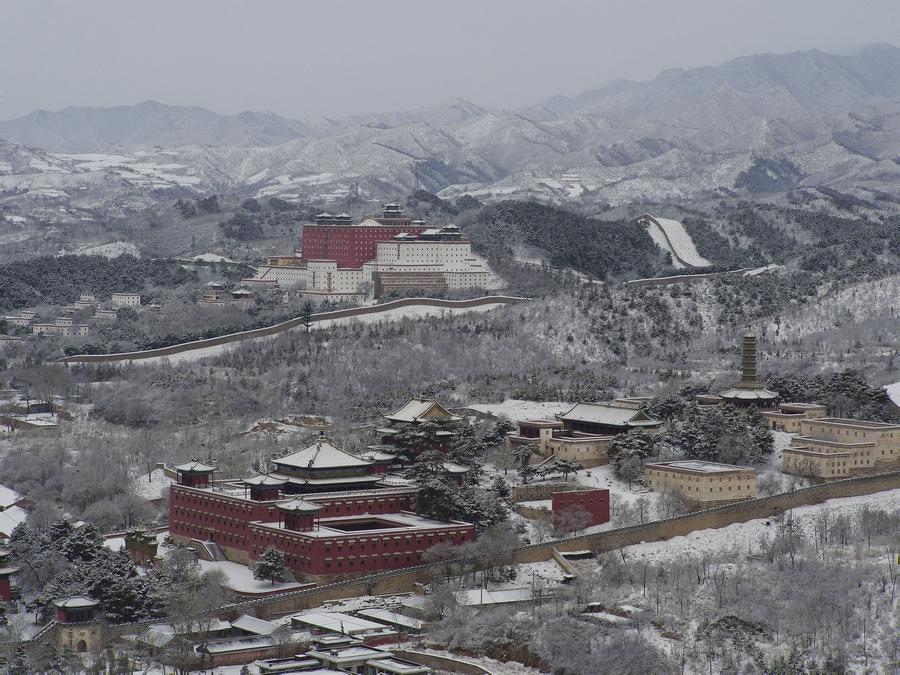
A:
[307, 57]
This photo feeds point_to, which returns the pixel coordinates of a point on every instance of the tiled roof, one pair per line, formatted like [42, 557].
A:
[321, 455]
[600, 413]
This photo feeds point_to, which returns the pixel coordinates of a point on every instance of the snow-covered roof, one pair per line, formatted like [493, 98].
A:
[417, 409]
[758, 394]
[75, 602]
[391, 664]
[320, 455]
[390, 617]
[299, 506]
[194, 467]
[8, 497]
[369, 222]
[337, 622]
[228, 645]
[697, 466]
[375, 455]
[453, 467]
[11, 518]
[366, 479]
[250, 624]
[157, 636]
[265, 479]
[485, 597]
[614, 416]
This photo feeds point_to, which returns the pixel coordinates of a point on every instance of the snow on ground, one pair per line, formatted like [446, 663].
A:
[756, 271]
[893, 392]
[112, 249]
[393, 314]
[495, 667]
[240, 577]
[746, 536]
[151, 486]
[681, 242]
[656, 234]
[619, 492]
[517, 409]
[546, 570]
[212, 257]
[114, 543]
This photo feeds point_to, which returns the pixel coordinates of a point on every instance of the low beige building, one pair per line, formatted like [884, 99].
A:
[789, 415]
[63, 326]
[702, 483]
[132, 300]
[551, 439]
[831, 447]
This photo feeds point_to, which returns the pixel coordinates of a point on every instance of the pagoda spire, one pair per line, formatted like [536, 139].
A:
[749, 379]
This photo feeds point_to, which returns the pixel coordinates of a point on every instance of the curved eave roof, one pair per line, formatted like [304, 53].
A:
[76, 602]
[299, 506]
[194, 467]
[265, 479]
[749, 394]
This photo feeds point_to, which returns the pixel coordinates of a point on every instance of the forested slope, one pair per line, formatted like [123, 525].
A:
[604, 249]
[59, 280]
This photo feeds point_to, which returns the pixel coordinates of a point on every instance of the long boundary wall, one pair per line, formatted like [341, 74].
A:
[401, 581]
[288, 325]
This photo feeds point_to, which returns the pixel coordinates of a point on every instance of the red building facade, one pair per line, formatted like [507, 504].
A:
[595, 502]
[364, 531]
[351, 246]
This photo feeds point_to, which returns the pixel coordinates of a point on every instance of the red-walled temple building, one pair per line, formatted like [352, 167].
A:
[352, 245]
[330, 513]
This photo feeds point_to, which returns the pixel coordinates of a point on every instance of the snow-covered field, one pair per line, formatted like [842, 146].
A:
[893, 392]
[745, 537]
[240, 577]
[681, 242]
[394, 314]
[151, 486]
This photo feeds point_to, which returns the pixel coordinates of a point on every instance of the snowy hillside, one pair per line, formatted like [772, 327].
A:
[639, 141]
[671, 236]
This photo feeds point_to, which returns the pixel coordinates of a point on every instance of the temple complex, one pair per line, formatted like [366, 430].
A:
[341, 260]
[584, 432]
[413, 415]
[330, 512]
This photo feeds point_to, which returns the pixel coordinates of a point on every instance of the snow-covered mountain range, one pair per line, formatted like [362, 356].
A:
[755, 124]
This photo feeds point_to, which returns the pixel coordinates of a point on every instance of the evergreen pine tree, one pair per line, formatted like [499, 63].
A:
[270, 566]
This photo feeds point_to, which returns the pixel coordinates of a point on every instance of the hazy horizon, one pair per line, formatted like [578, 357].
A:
[342, 58]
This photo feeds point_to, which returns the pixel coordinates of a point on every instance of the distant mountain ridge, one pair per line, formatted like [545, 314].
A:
[756, 123]
[804, 83]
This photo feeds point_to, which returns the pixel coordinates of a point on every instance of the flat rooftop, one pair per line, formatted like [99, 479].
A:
[697, 466]
[339, 623]
[863, 424]
[835, 442]
[387, 523]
